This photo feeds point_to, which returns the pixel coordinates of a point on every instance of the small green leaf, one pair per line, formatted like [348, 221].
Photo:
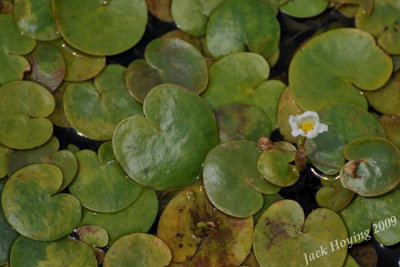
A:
[93, 235]
[333, 195]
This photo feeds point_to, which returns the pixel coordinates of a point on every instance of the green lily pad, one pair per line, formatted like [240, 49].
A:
[33, 209]
[367, 6]
[238, 121]
[179, 129]
[191, 16]
[109, 101]
[3, 160]
[232, 181]
[387, 98]
[193, 40]
[345, 122]
[391, 124]
[383, 23]
[101, 185]
[47, 64]
[268, 201]
[200, 235]
[138, 217]
[350, 262]
[274, 165]
[139, 250]
[123, 20]
[160, 9]
[93, 235]
[283, 237]
[47, 153]
[24, 107]
[241, 78]
[168, 60]
[237, 25]
[12, 45]
[364, 211]
[58, 116]
[64, 252]
[376, 162]
[333, 195]
[35, 19]
[271, 5]
[332, 66]
[304, 8]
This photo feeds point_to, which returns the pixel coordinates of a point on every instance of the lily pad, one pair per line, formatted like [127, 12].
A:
[64, 252]
[168, 60]
[3, 160]
[282, 236]
[93, 235]
[241, 78]
[123, 20]
[191, 16]
[268, 201]
[238, 121]
[12, 45]
[250, 261]
[109, 101]
[48, 66]
[237, 25]
[391, 124]
[333, 195]
[332, 66]
[304, 8]
[193, 40]
[200, 235]
[58, 117]
[160, 9]
[139, 250]
[350, 262]
[24, 107]
[179, 129]
[35, 19]
[366, 5]
[364, 211]
[138, 217]
[47, 153]
[33, 209]
[232, 181]
[101, 185]
[345, 122]
[376, 165]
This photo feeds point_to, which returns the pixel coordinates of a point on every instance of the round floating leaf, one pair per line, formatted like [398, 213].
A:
[138, 217]
[160, 9]
[268, 200]
[345, 122]
[304, 8]
[383, 23]
[169, 60]
[32, 207]
[101, 185]
[240, 78]
[3, 160]
[122, 24]
[271, 5]
[232, 181]
[387, 98]
[366, 5]
[282, 237]
[12, 45]
[58, 116]
[238, 121]
[200, 235]
[193, 40]
[139, 250]
[179, 129]
[364, 211]
[332, 66]
[93, 235]
[64, 252]
[191, 16]
[391, 124]
[109, 101]
[237, 25]
[376, 164]
[47, 153]
[23, 108]
[333, 195]
[350, 262]
[48, 66]
[35, 19]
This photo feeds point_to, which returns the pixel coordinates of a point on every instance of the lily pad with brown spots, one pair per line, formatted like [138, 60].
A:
[391, 124]
[200, 235]
[93, 235]
[333, 195]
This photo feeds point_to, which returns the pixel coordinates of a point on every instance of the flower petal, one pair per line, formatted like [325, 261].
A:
[297, 132]
[320, 127]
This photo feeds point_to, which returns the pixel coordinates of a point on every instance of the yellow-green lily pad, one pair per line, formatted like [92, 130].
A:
[391, 124]
[33, 208]
[95, 109]
[232, 181]
[121, 23]
[160, 9]
[304, 8]
[268, 201]
[101, 185]
[58, 117]
[200, 235]
[283, 237]
[374, 165]
[179, 129]
[138, 249]
[93, 235]
[3, 160]
[24, 107]
[237, 25]
[332, 66]
[333, 195]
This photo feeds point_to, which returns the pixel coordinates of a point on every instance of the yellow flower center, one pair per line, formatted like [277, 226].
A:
[307, 126]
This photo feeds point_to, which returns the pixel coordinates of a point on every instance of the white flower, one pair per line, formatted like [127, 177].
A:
[307, 124]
